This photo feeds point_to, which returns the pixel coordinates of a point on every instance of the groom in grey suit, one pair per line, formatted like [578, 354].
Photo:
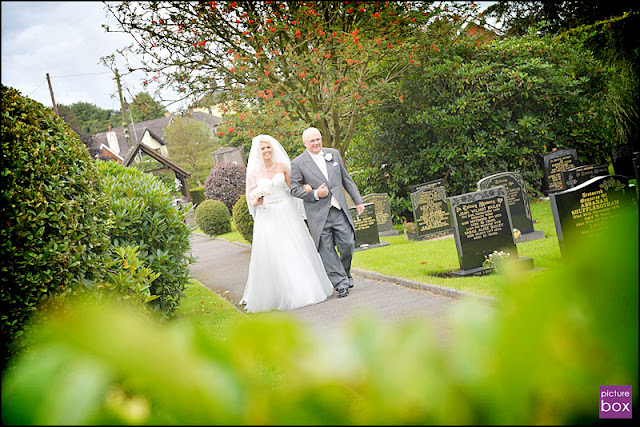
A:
[326, 207]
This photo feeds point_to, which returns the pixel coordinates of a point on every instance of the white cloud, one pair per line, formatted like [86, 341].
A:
[66, 40]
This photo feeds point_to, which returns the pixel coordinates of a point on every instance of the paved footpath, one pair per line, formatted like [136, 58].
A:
[222, 266]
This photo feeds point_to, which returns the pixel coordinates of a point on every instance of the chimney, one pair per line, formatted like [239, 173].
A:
[109, 128]
[167, 114]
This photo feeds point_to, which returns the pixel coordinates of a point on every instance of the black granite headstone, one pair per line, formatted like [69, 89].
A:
[517, 197]
[576, 176]
[622, 160]
[553, 165]
[583, 210]
[383, 212]
[430, 209]
[366, 228]
[481, 224]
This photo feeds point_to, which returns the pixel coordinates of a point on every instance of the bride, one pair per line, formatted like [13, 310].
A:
[285, 271]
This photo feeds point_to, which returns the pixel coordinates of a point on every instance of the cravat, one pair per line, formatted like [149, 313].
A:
[322, 165]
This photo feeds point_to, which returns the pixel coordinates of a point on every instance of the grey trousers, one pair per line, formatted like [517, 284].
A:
[337, 233]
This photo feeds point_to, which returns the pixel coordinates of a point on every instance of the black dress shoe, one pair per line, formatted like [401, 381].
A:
[350, 282]
[343, 292]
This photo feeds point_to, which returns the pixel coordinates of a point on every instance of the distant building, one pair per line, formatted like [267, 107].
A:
[149, 132]
[211, 104]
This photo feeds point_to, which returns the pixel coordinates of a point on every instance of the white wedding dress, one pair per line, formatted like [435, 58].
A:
[285, 271]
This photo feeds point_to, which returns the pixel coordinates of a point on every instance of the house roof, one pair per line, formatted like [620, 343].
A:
[106, 152]
[156, 127]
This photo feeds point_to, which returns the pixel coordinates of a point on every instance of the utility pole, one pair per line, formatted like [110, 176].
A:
[53, 100]
[124, 117]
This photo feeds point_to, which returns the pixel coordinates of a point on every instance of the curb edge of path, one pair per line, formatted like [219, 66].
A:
[440, 290]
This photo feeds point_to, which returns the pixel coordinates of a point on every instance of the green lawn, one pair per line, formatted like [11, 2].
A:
[422, 261]
[207, 310]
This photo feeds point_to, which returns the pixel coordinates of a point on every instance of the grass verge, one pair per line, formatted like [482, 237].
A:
[207, 310]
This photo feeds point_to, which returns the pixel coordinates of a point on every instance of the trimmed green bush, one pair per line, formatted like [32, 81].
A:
[213, 217]
[493, 365]
[55, 222]
[197, 195]
[243, 219]
[146, 217]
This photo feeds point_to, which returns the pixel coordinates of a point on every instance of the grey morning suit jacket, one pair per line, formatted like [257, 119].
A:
[305, 171]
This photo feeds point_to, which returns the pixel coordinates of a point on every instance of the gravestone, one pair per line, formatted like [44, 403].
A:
[230, 155]
[576, 176]
[430, 209]
[582, 211]
[482, 224]
[622, 160]
[383, 213]
[518, 199]
[366, 227]
[554, 164]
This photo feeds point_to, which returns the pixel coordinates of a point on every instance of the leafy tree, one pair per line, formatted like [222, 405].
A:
[191, 147]
[517, 17]
[476, 109]
[87, 119]
[325, 64]
[144, 107]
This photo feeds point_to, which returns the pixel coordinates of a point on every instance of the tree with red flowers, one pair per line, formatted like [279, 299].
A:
[324, 64]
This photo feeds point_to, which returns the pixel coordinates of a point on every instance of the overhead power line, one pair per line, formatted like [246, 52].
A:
[44, 80]
[77, 75]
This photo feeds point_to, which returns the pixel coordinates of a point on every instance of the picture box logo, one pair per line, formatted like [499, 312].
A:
[615, 401]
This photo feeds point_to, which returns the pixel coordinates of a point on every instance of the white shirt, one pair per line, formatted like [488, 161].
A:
[322, 165]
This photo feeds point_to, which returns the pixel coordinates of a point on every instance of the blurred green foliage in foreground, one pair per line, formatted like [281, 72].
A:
[538, 358]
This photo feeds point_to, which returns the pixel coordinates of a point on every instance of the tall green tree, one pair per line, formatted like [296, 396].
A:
[516, 17]
[144, 107]
[190, 146]
[325, 64]
[87, 119]
[476, 109]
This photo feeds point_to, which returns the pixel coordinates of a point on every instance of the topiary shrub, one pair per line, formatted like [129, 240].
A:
[226, 183]
[55, 221]
[213, 217]
[197, 195]
[243, 219]
[147, 218]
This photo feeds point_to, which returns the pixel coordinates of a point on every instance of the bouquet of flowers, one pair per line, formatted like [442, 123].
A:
[496, 260]
[260, 191]
[516, 233]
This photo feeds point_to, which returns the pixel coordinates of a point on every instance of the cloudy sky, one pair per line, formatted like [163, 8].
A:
[66, 40]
